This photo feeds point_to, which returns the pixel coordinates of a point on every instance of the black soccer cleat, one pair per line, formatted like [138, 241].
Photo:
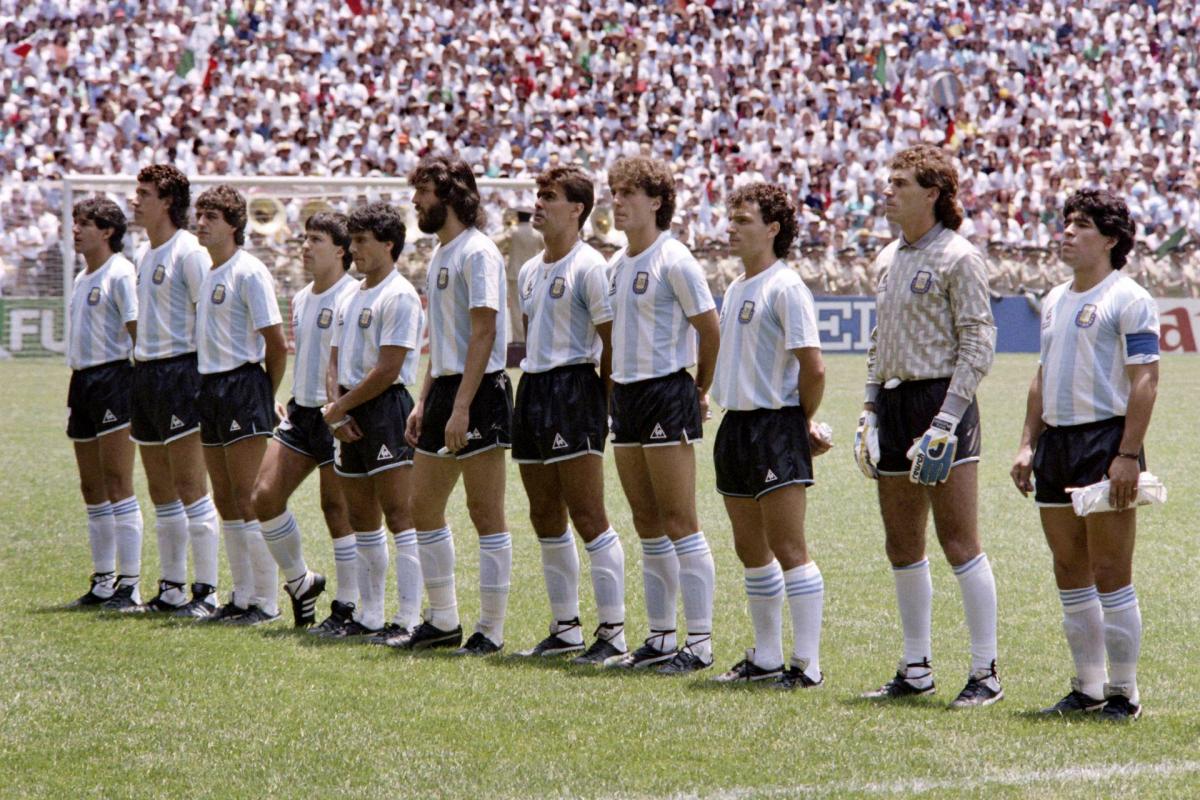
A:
[903, 686]
[555, 644]
[746, 671]
[202, 605]
[393, 634]
[796, 677]
[340, 615]
[428, 637]
[983, 688]
[1117, 705]
[160, 605]
[479, 645]
[1076, 702]
[125, 597]
[645, 656]
[304, 605]
[354, 630]
[603, 649]
[227, 614]
[93, 599]
[686, 660]
[255, 615]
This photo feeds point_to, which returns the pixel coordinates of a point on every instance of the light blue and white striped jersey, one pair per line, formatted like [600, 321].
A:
[237, 300]
[168, 288]
[467, 273]
[313, 324]
[763, 319]
[386, 315]
[102, 302]
[564, 300]
[653, 294]
[1087, 340]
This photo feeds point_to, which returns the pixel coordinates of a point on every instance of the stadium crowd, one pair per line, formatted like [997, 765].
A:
[1035, 101]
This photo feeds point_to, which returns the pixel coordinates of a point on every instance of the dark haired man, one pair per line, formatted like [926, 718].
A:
[463, 417]
[164, 419]
[103, 326]
[242, 357]
[302, 441]
[932, 344]
[1086, 418]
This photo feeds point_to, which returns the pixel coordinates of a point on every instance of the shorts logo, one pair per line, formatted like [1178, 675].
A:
[109, 416]
[559, 442]
[233, 426]
[474, 434]
[770, 477]
[747, 312]
[176, 422]
[443, 278]
[558, 288]
[384, 453]
[612, 285]
[1086, 317]
[641, 282]
[93, 298]
[922, 282]
[658, 432]
[364, 318]
[325, 318]
[218, 294]
[159, 275]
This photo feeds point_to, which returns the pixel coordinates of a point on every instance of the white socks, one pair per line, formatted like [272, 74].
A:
[560, 570]
[345, 565]
[264, 570]
[240, 567]
[127, 519]
[102, 537]
[697, 582]
[764, 594]
[202, 530]
[914, 596]
[806, 599]
[170, 524]
[1083, 624]
[372, 577]
[436, 549]
[660, 578]
[282, 535]
[408, 579]
[978, 589]
[495, 574]
[1122, 640]
[607, 560]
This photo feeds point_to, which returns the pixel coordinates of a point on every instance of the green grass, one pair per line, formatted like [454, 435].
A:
[101, 707]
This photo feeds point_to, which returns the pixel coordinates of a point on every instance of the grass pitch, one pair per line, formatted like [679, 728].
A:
[98, 706]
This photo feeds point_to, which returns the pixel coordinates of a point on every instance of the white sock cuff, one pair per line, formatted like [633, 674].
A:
[344, 548]
[562, 540]
[692, 545]
[1077, 600]
[657, 547]
[171, 509]
[964, 570]
[201, 508]
[278, 527]
[99, 509]
[433, 537]
[231, 525]
[804, 579]
[370, 538]
[1119, 600]
[130, 506]
[920, 566]
[602, 542]
[765, 581]
[405, 538]
[495, 541]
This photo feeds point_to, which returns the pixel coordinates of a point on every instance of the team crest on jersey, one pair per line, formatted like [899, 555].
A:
[325, 318]
[1086, 317]
[160, 274]
[364, 318]
[93, 298]
[218, 294]
[747, 312]
[922, 282]
[641, 282]
[443, 278]
[558, 287]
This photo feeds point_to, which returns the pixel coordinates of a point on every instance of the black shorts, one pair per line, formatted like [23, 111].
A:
[1075, 456]
[165, 391]
[98, 400]
[904, 415]
[304, 430]
[560, 414]
[235, 405]
[489, 420]
[382, 447]
[656, 411]
[759, 451]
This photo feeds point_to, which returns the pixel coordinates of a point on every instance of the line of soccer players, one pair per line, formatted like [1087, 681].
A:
[609, 345]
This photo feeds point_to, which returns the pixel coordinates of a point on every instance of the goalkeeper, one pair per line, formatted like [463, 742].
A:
[919, 432]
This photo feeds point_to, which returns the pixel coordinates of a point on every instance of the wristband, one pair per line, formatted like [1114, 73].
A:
[333, 426]
[1134, 456]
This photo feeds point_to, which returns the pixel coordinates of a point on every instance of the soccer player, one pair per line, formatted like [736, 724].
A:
[561, 417]
[462, 421]
[770, 378]
[1086, 418]
[659, 295]
[932, 344]
[378, 331]
[242, 358]
[165, 420]
[302, 441]
[103, 312]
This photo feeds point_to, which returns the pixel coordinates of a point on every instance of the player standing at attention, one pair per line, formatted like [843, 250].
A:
[1086, 418]
[243, 355]
[561, 417]
[164, 420]
[659, 294]
[302, 440]
[770, 378]
[463, 418]
[103, 313]
[932, 344]
[378, 331]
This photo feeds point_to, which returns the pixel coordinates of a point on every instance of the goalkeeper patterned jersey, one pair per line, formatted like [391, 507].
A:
[933, 316]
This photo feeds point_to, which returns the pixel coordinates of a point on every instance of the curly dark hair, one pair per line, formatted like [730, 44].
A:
[231, 205]
[172, 186]
[104, 214]
[653, 178]
[1111, 217]
[453, 183]
[934, 170]
[775, 205]
[576, 186]
[382, 221]
[333, 225]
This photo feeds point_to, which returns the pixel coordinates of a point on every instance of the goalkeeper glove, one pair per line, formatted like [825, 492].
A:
[933, 454]
[866, 444]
